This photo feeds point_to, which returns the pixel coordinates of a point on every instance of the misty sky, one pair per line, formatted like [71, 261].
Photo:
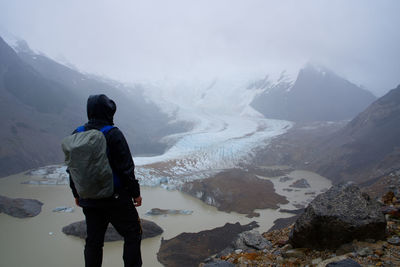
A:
[133, 40]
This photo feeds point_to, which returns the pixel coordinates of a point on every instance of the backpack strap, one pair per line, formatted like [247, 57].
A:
[106, 129]
[80, 129]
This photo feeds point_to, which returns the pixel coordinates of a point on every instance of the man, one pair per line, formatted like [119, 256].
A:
[119, 210]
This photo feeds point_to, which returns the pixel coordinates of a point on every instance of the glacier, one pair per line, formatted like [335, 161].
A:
[227, 132]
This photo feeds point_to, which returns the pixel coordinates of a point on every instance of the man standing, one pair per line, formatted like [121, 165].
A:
[118, 209]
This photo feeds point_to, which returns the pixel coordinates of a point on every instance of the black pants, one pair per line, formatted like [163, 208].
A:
[125, 220]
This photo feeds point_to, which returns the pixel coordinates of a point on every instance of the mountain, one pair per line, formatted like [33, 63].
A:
[318, 94]
[367, 147]
[42, 101]
[362, 150]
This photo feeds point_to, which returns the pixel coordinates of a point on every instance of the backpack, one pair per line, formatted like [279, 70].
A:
[86, 157]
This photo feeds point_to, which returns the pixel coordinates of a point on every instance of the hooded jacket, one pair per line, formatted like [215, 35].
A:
[100, 112]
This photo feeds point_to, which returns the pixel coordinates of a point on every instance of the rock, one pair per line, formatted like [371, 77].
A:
[330, 260]
[301, 183]
[150, 229]
[294, 253]
[379, 252]
[345, 248]
[226, 251]
[156, 211]
[251, 239]
[190, 249]
[287, 247]
[344, 263]
[389, 209]
[238, 251]
[394, 240]
[388, 197]
[316, 261]
[365, 251]
[235, 190]
[20, 207]
[338, 216]
[219, 264]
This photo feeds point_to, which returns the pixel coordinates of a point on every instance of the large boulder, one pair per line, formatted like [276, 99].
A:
[20, 207]
[338, 216]
[150, 229]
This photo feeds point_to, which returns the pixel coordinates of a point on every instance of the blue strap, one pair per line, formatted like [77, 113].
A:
[80, 129]
[106, 129]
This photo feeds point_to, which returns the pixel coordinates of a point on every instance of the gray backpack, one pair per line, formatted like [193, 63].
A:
[87, 161]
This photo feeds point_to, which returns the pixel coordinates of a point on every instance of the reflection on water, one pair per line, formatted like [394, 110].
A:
[28, 242]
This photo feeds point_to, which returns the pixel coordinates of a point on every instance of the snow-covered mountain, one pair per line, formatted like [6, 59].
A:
[317, 94]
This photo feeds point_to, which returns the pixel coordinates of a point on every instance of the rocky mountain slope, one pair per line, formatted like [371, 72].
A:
[362, 150]
[318, 94]
[42, 101]
[367, 147]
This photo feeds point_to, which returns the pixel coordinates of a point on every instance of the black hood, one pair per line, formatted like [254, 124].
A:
[101, 108]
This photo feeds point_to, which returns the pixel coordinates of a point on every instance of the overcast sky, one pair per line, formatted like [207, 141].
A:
[133, 40]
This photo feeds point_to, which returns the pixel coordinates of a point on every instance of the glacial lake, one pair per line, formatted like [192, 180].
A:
[39, 241]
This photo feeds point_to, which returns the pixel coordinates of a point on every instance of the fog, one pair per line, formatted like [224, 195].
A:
[187, 40]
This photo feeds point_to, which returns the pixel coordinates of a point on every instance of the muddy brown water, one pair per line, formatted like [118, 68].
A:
[39, 241]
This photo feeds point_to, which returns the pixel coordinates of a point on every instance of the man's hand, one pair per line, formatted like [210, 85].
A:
[77, 201]
[137, 201]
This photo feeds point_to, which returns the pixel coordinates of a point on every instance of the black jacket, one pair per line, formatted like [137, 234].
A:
[100, 111]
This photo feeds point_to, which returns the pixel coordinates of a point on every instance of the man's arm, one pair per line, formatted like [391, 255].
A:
[122, 163]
